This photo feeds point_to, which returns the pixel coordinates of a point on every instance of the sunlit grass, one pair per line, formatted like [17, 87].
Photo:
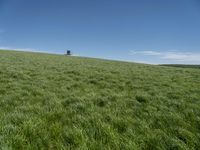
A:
[59, 102]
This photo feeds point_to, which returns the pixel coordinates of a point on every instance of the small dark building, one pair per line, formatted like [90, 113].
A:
[68, 53]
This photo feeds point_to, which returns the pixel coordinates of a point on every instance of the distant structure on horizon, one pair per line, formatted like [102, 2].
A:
[68, 53]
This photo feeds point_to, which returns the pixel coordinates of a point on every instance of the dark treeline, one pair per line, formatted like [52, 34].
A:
[182, 66]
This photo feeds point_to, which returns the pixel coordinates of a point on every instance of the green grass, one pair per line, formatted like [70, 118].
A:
[58, 102]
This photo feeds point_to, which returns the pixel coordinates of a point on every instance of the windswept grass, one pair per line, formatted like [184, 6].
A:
[59, 102]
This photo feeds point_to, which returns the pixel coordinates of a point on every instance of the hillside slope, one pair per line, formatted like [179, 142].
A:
[59, 102]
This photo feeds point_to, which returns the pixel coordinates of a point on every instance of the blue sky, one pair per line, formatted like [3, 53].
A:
[149, 31]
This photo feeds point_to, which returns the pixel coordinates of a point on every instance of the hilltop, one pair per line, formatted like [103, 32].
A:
[59, 102]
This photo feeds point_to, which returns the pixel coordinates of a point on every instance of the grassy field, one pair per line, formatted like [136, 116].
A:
[58, 102]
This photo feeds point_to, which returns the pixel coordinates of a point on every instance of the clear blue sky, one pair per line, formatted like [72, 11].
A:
[152, 31]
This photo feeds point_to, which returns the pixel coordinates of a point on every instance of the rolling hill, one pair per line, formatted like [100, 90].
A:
[59, 102]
